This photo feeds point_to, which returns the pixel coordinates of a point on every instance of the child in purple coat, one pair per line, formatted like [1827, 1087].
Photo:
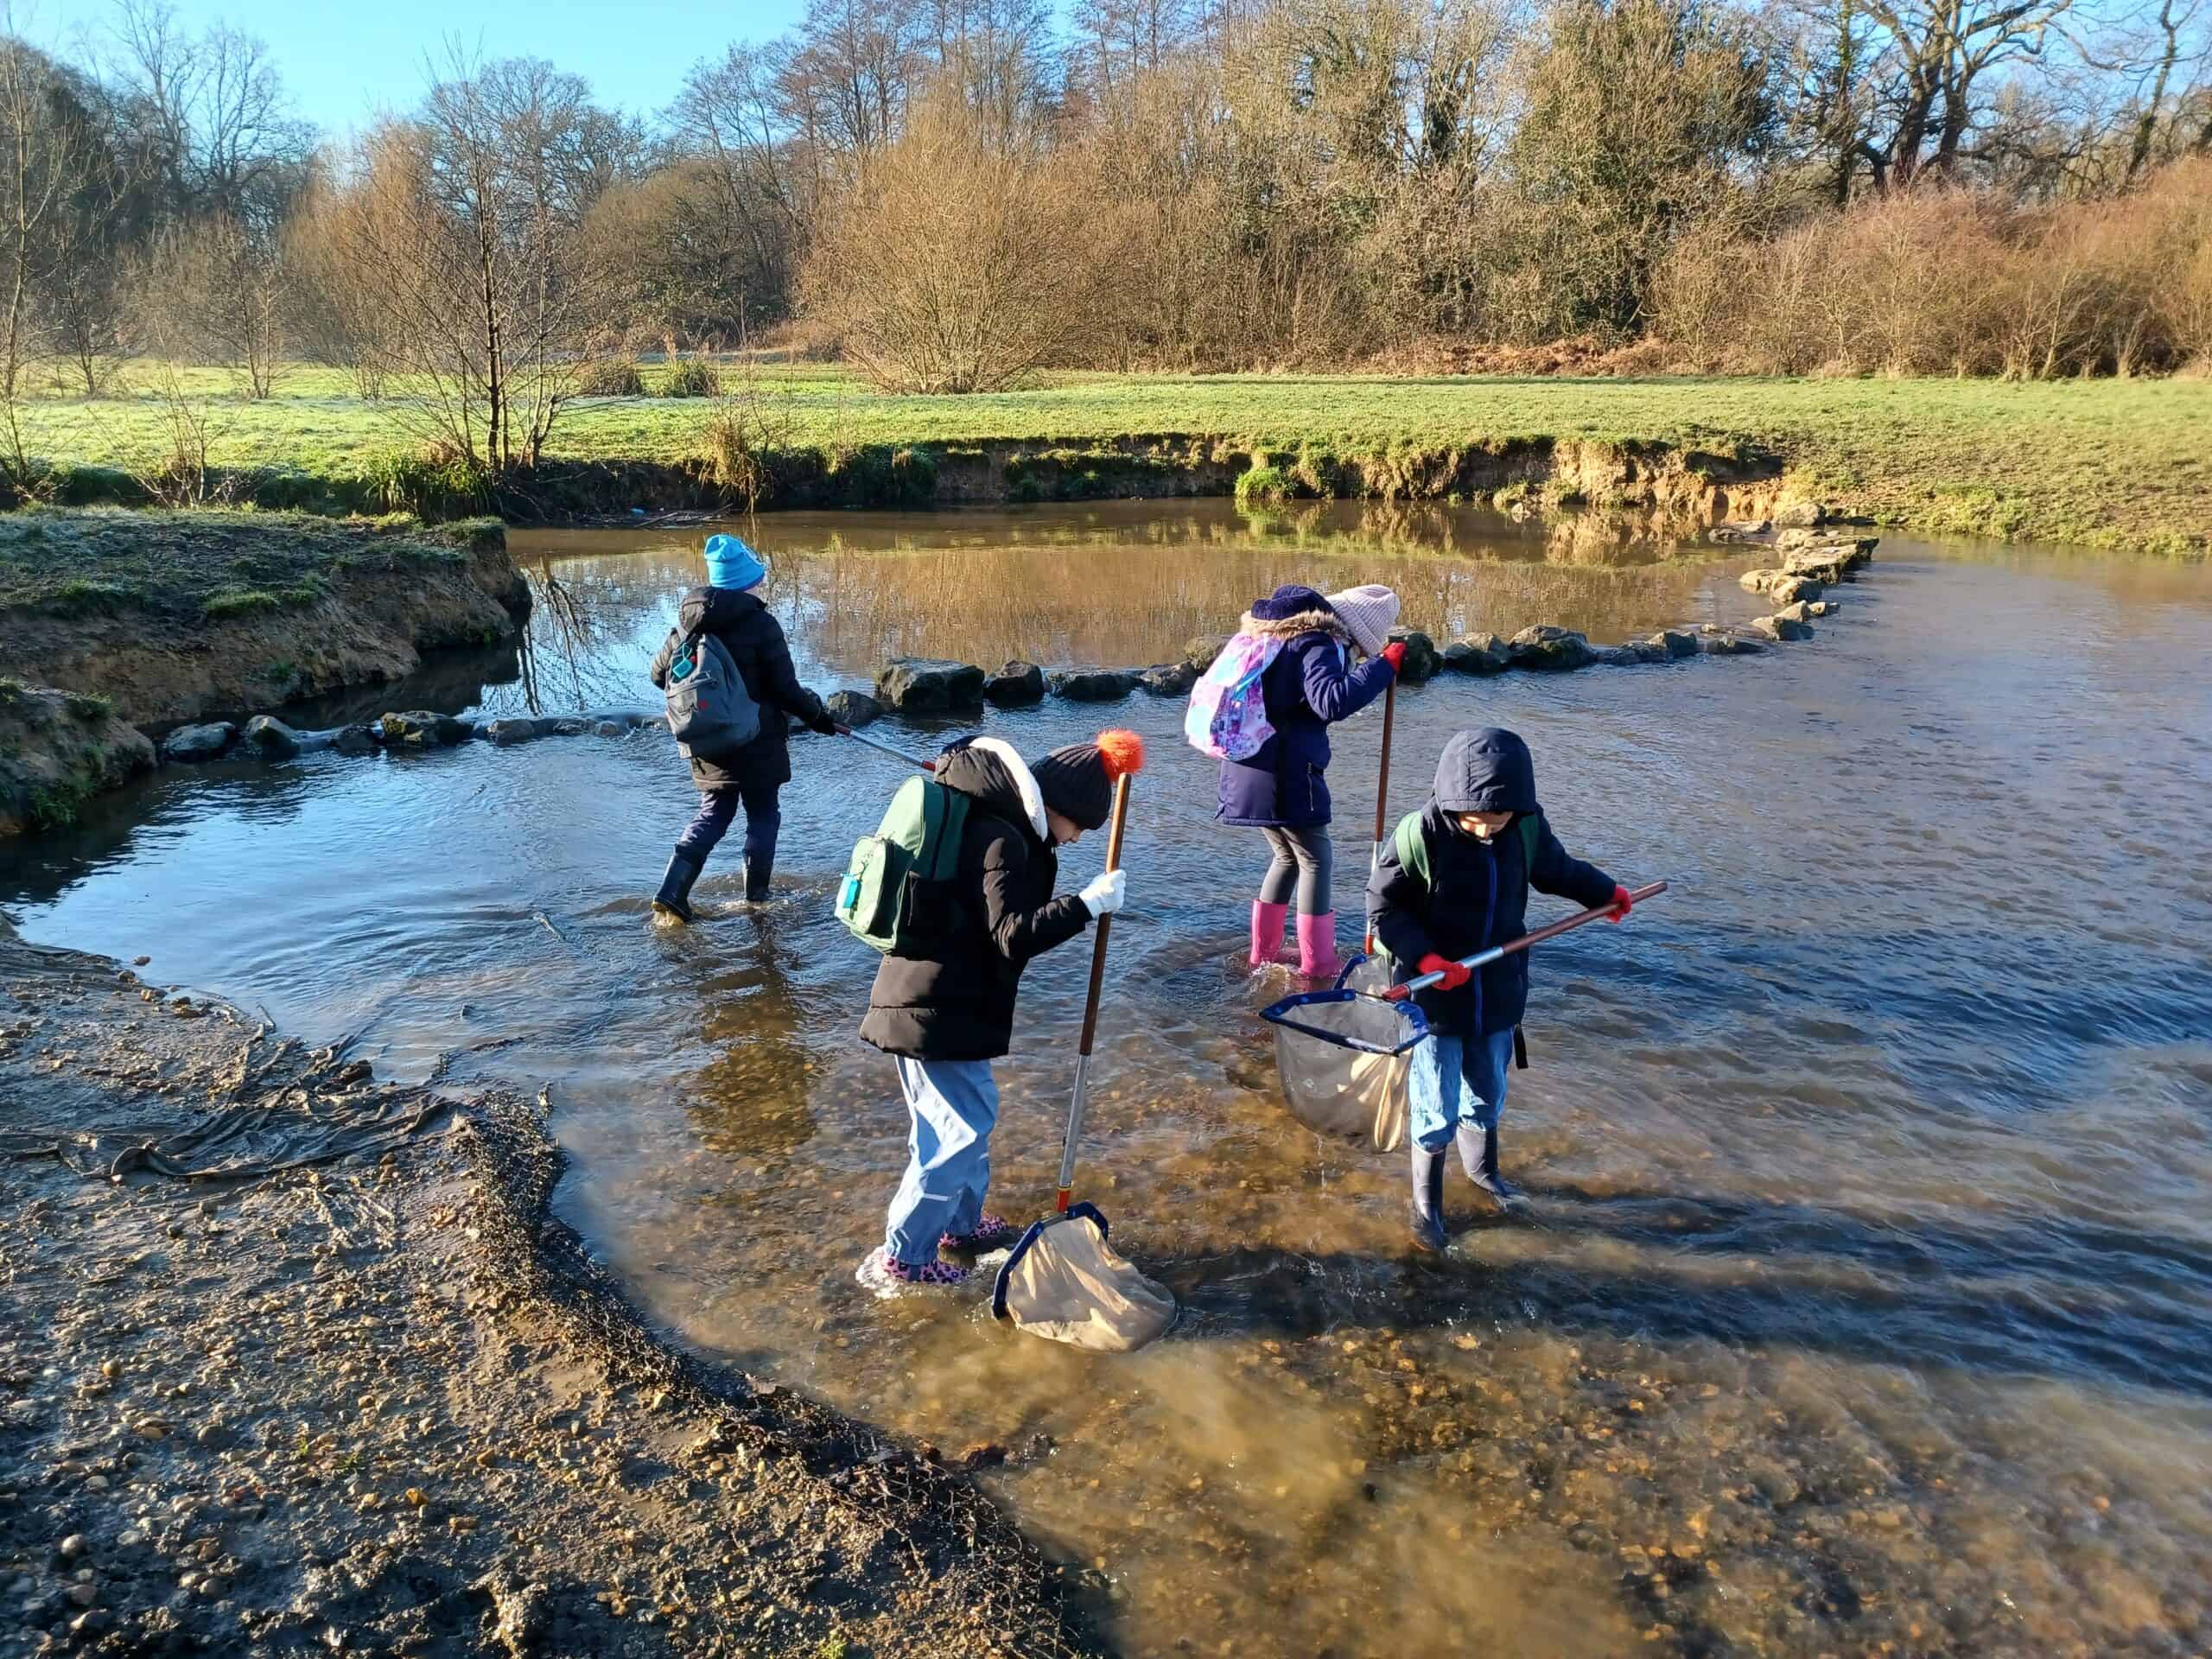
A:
[1283, 790]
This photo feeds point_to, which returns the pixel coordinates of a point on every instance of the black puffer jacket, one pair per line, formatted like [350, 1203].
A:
[1478, 891]
[958, 1003]
[755, 642]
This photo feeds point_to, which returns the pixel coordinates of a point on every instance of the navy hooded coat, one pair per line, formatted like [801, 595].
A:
[754, 639]
[1310, 684]
[1478, 891]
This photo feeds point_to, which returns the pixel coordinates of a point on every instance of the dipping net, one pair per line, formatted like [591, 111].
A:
[1344, 1057]
[1065, 1282]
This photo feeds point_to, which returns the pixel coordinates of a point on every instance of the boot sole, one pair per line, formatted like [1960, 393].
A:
[661, 907]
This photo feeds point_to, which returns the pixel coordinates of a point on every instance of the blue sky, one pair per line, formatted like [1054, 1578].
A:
[343, 61]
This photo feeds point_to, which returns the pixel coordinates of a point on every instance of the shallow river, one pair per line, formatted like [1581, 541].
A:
[1864, 1304]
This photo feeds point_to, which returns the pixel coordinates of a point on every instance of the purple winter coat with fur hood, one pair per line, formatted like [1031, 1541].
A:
[1310, 684]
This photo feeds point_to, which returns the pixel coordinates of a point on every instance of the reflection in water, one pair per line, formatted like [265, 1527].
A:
[1120, 585]
[1865, 1302]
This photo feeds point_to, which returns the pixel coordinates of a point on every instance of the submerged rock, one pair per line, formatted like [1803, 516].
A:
[1633, 654]
[854, 709]
[421, 729]
[1478, 653]
[1168, 679]
[1017, 685]
[1674, 643]
[1422, 658]
[922, 685]
[1742, 529]
[1730, 645]
[357, 739]
[1548, 649]
[1094, 685]
[509, 730]
[204, 743]
[272, 738]
[1780, 586]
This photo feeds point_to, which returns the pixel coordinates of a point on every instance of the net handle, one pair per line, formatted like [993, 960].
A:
[885, 749]
[1382, 798]
[1090, 1003]
[1498, 952]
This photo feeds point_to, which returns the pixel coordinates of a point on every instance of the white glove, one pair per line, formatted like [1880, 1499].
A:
[1108, 894]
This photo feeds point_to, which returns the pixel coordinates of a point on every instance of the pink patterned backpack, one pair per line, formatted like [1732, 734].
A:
[1228, 718]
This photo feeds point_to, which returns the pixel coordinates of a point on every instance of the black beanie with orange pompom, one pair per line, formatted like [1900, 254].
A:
[1077, 781]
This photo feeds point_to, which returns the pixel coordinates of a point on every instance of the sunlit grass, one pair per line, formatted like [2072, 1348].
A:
[2104, 462]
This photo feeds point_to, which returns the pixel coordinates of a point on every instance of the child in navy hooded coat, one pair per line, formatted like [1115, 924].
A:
[1487, 844]
[1283, 789]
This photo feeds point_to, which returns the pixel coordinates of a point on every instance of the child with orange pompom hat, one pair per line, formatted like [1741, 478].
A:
[945, 1015]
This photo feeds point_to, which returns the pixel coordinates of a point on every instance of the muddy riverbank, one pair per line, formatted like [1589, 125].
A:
[151, 619]
[379, 1403]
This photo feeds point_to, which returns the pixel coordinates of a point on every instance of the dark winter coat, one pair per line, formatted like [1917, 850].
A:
[1477, 891]
[958, 1003]
[754, 639]
[1309, 685]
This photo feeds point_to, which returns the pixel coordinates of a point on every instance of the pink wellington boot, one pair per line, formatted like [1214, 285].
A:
[1267, 931]
[1316, 946]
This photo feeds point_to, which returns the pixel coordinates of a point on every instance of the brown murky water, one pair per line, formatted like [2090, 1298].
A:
[1866, 1301]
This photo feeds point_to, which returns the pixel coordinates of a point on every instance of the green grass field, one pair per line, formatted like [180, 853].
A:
[2106, 463]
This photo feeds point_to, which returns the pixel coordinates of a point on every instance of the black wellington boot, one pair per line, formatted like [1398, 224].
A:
[674, 898]
[1478, 1151]
[1428, 1200]
[759, 868]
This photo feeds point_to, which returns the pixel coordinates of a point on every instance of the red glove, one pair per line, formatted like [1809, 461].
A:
[1456, 974]
[1394, 654]
[1623, 903]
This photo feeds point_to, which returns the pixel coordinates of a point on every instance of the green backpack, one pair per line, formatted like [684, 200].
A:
[1413, 849]
[897, 895]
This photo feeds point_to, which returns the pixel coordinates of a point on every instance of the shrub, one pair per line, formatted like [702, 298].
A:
[692, 378]
[86, 705]
[1263, 486]
[430, 483]
[239, 601]
[955, 264]
[611, 377]
[1947, 281]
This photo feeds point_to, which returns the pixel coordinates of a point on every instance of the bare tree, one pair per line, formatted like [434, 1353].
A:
[955, 265]
[46, 159]
[481, 294]
[215, 291]
[212, 115]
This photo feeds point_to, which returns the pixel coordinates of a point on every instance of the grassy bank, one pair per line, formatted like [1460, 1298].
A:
[2107, 463]
[249, 611]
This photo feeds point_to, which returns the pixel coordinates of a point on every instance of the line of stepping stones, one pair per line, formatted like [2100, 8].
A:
[1812, 562]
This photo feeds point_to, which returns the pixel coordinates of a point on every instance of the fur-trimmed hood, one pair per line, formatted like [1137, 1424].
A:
[993, 772]
[1290, 627]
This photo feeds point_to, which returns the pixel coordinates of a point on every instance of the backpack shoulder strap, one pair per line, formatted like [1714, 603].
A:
[951, 830]
[1412, 847]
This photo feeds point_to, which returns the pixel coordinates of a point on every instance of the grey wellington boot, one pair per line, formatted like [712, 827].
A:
[1428, 1200]
[1478, 1151]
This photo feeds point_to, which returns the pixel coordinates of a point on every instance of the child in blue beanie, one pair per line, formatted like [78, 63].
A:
[752, 776]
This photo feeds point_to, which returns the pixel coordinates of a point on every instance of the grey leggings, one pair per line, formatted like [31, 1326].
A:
[1303, 860]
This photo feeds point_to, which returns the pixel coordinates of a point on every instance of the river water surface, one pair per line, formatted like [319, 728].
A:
[1865, 1302]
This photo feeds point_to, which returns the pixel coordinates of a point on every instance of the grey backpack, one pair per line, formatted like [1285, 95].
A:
[709, 710]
